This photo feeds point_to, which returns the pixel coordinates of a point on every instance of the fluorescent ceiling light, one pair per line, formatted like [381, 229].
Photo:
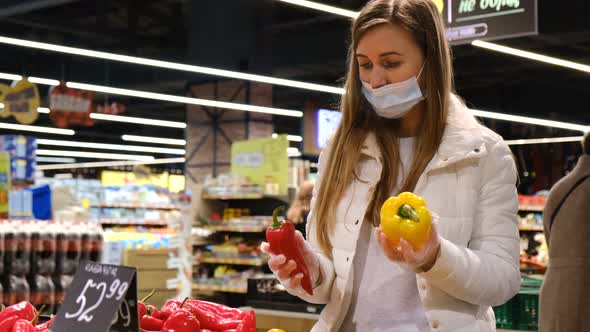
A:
[44, 110]
[10, 77]
[179, 99]
[44, 81]
[81, 154]
[37, 129]
[184, 100]
[293, 152]
[55, 160]
[292, 138]
[545, 140]
[111, 164]
[324, 8]
[157, 140]
[1, 105]
[170, 65]
[130, 119]
[103, 146]
[534, 121]
[531, 55]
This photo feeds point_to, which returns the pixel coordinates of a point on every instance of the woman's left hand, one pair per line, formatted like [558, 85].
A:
[418, 261]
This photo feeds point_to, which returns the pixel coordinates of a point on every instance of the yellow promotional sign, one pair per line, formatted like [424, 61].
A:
[173, 182]
[21, 101]
[4, 183]
[263, 161]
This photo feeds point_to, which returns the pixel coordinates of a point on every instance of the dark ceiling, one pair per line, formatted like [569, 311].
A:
[274, 38]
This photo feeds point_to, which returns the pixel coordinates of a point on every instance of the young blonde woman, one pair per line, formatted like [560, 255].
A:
[403, 129]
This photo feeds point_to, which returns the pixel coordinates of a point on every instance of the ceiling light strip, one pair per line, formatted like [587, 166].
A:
[103, 146]
[184, 100]
[130, 119]
[531, 55]
[170, 65]
[82, 154]
[155, 140]
[324, 8]
[54, 160]
[111, 164]
[545, 140]
[178, 99]
[38, 129]
[534, 121]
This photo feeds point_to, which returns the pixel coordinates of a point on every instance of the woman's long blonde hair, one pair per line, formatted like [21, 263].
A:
[421, 18]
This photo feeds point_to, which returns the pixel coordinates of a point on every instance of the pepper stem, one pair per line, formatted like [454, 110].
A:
[406, 211]
[275, 217]
[147, 297]
[34, 321]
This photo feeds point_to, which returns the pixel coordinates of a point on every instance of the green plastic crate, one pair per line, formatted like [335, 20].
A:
[521, 312]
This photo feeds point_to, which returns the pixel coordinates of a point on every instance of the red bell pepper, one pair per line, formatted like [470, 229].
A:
[219, 309]
[45, 326]
[248, 324]
[181, 321]
[169, 307]
[23, 310]
[7, 324]
[141, 307]
[150, 323]
[210, 320]
[153, 311]
[24, 325]
[281, 239]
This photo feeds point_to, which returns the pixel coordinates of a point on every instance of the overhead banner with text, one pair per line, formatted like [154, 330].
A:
[467, 20]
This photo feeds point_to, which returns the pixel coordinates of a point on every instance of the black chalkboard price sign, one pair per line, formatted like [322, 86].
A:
[101, 298]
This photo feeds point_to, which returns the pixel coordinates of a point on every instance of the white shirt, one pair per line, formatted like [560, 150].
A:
[385, 297]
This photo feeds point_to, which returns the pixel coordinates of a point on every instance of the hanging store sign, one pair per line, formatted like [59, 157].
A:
[467, 20]
[263, 161]
[20, 100]
[70, 107]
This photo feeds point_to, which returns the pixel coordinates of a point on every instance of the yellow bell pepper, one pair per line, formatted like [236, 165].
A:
[406, 216]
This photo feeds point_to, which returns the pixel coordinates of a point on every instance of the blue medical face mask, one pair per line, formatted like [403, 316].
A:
[393, 101]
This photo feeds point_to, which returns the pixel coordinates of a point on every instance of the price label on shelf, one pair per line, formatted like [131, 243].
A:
[101, 298]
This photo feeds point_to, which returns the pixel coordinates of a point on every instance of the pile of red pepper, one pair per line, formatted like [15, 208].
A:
[22, 317]
[194, 316]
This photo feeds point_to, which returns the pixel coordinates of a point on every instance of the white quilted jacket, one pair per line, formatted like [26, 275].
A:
[470, 184]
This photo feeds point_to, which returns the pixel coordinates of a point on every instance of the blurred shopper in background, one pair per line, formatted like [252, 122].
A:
[298, 211]
[565, 295]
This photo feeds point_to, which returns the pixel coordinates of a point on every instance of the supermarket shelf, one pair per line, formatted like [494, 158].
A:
[235, 229]
[531, 228]
[530, 208]
[137, 206]
[219, 288]
[233, 261]
[133, 222]
[243, 197]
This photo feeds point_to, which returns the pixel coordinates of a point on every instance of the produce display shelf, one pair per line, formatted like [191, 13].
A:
[105, 221]
[235, 228]
[531, 228]
[232, 261]
[531, 208]
[243, 197]
[219, 288]
[137, 206]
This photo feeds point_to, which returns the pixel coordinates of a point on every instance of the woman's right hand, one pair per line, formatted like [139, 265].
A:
[284, 271]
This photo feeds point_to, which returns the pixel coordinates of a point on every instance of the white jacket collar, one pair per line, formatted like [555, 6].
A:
[462, 138]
